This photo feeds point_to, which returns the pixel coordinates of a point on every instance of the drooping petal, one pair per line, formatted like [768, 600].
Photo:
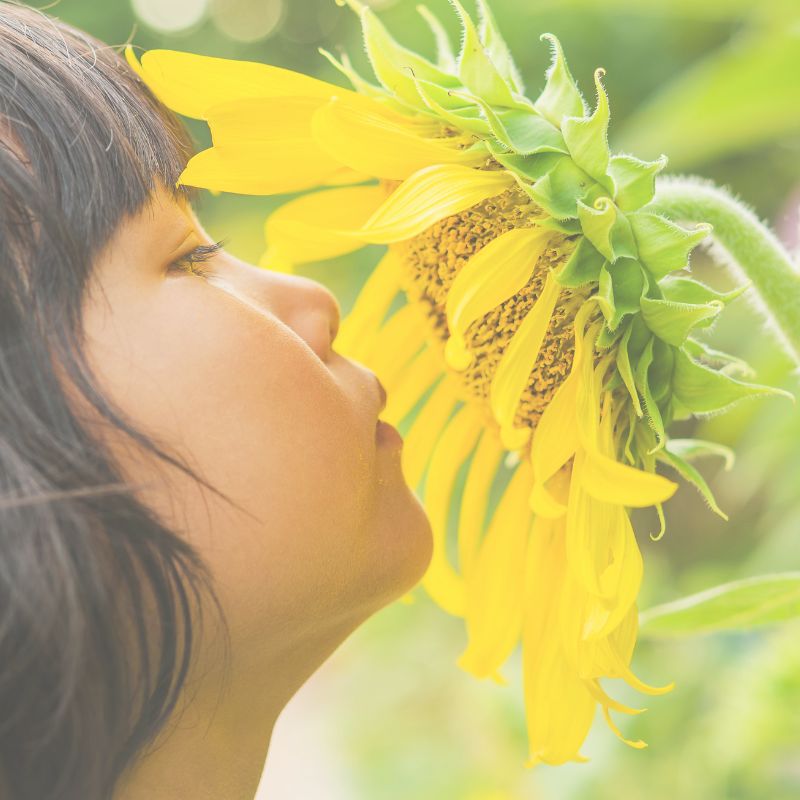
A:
[441, 581]
[428, 196]
[377, 144]
[370, 308]
[496, 584]
[607, 479]
[427, 428]
[288, 165]
[472, 516]
[559, 708]
[518, 362]
[262, 119]
[307, 228]
[411, 383]
[496, 272]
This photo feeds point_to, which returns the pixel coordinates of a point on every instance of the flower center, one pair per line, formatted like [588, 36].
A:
[433, 259]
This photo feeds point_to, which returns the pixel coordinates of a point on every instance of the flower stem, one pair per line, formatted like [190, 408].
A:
[751, 246]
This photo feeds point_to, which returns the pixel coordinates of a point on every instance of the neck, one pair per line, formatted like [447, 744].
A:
[216, 744]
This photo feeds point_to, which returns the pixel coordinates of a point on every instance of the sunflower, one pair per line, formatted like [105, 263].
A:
[531, 318]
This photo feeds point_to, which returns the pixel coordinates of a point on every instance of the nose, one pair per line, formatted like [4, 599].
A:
[309, 309]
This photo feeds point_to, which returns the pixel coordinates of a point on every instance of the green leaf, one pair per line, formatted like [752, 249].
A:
[688, 290]
[690, 474]
[583, 266]
[607, 229]
[702, 390]
[561, 96]
[635, 180]
[673, 321]
[497, 48]
[559, 190]
[466, 118]
[663, 245]
[524, 131]
[587, 138]
[476, 69]
[445, 57]
[620, 290]
[396, 66]
[741, 97]
[739, 605]
[626, 373]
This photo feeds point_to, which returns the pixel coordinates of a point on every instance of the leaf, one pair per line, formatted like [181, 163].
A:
[673, 321]
[703, 390]
[663, 245]
[635, 180]
[587, 137]
[561, 96]
[739, 605]
[737, 99]
[607, 229]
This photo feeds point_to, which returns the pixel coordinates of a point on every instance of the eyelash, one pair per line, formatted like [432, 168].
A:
[200, 254]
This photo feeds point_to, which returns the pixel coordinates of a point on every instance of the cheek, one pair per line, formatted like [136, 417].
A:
[263, 419]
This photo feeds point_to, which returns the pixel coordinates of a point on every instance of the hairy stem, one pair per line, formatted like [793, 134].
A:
[754, 249]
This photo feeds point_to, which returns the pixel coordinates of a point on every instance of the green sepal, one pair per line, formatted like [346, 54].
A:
[524, 132]
[723, 362]
[664, 246]
[477, 71]
[583, 266]
[620, 290]
[569, 226]
[642, 381]
[660, 373]
[607, 229]
[625, 371]
[559, 190]
[467, 118]
[561, 96]
[692, 475]
[358, 83]
[634, 180]
[396, 66]
[587, 138]
[445, 57]
[702, 390]
[692, 449]
[496, 47]
[531, 167]
[688, 290]
[673, 321]
[608, 337]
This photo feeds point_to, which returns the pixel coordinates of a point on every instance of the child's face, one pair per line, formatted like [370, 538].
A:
[237, 373]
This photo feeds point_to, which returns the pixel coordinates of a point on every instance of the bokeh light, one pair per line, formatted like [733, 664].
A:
[248, 20]
[170, 17]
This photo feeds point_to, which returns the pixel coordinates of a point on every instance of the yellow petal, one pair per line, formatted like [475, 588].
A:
[397, 342]
[290, 165]
[496, 586]
[441, 581]
[412, 382]
[262, 119]
[559, 708]
[191, 84]
[427, 428]
[517, 363]
[606, 479]
[377, 143]
[428, 196]
[305, 229]
[475, 500]
[361, 325]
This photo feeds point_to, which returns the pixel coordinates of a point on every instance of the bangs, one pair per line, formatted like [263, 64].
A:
[96, 143]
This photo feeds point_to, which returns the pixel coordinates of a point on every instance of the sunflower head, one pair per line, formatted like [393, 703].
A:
[536, 323]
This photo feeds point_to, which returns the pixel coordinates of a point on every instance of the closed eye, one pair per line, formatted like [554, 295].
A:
[188, 262]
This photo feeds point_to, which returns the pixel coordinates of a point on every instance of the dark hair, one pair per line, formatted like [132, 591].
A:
[100, 603]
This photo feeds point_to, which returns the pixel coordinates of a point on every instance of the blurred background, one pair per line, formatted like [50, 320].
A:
[715, 84]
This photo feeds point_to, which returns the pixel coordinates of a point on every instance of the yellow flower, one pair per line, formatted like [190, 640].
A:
[544, 345]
